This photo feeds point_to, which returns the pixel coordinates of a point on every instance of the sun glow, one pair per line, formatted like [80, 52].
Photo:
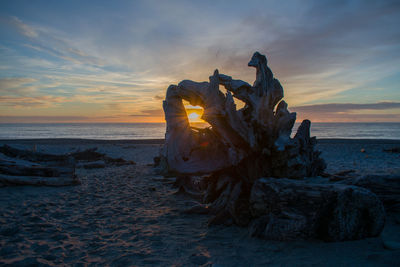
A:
[193, 117]
[194, 114]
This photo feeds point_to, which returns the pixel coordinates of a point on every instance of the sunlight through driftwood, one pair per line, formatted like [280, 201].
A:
[241, 152]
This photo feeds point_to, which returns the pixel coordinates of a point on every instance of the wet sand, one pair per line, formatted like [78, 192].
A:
[128, 215]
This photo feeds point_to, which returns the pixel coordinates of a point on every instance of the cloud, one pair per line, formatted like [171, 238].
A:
[24, 28]
[323, 35]
[149, 113]
[48, 40]
[10, 83]
[17, 85]
[37, 101]
[346, 107]
[38, 119]
[55, 119]
[347, 112]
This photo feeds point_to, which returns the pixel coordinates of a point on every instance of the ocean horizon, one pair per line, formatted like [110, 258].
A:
[126, 131]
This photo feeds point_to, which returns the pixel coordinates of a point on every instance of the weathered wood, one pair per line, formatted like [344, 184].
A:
[38, 170]
[23, 167]
[386, 187]
[241, 146]
[35, 168]
[291, 209]
[38, 180]
[30, 155]
[258, 132]
[91, 154]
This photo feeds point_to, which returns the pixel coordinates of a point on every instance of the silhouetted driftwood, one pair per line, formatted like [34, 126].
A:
[242, 146]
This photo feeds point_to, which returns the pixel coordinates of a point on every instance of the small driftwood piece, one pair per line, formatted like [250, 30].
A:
[244, 145]
[22, 167]
[30, 155]
[6, 180]
[91, 159]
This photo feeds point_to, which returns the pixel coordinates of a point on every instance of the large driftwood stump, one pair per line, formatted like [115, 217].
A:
[256, 136]
[242, 146]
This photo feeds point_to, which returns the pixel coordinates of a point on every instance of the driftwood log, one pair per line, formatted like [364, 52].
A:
[386, 187]
[243, 146]
[23, 167]
[286, 209]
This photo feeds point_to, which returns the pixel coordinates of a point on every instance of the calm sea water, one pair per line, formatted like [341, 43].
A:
[157, 130]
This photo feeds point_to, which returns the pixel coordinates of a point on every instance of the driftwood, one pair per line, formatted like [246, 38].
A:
[286, 209]
[93, 155]
[6, 180]
[30, 155]
[256, 137]
[23, 167]
[386, 187]
[91, 159]
[242, 146]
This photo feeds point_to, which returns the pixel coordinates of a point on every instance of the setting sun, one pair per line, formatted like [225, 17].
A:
[193, 117]
[194, 114]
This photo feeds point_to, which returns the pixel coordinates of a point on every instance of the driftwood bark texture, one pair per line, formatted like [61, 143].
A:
[242, 146]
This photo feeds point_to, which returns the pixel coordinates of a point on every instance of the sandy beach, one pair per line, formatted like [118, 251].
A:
[129, 215]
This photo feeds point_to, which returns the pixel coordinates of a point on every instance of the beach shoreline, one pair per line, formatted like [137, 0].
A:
[129, 215]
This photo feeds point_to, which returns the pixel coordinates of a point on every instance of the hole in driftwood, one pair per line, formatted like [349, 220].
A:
[239, 103]
[194, 114]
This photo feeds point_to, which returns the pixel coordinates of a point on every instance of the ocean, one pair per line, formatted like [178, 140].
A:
[115, 131]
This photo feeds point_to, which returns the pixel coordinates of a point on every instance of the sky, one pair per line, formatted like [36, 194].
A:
[111, 61]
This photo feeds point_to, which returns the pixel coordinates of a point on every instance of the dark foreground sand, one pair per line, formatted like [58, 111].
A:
[124, 216]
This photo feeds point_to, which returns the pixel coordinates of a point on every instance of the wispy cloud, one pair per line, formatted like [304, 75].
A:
[48, 40]
[342, 112]
[14, 82]
[23, 28]
[17, 86]
[38, 101]
[149, 113]
[345, 107]
[56, 119]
